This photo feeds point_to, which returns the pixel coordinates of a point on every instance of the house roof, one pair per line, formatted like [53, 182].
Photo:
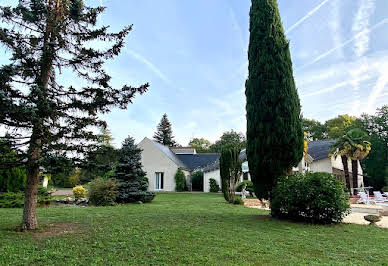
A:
[166, 150]
[187, 161]
[196, 161]
[320, 149]
[216, 164]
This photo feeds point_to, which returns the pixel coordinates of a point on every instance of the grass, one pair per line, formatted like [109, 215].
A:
[183, 229]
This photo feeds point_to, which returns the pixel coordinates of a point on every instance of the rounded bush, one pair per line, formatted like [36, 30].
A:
[102, 192]
[214, 187]
[79, 192]
[384, 189]
[316, 198]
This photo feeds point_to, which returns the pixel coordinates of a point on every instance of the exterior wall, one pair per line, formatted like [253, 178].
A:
[337, 163]
[323, 165]
[216, 176]
[206, 177]
[154, 160]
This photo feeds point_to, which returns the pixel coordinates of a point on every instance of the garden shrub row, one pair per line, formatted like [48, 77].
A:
[16, 199]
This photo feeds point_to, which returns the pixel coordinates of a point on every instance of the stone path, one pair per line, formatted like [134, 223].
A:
[356, 217]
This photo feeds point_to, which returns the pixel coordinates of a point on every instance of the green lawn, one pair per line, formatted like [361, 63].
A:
[184, 229]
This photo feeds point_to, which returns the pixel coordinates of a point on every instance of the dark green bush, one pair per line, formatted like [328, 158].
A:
[249, 187]
[102, 192]
[384, 189]
[13, 180]
[180, 181]
[214, 187]
[314, 198]
[238, 201]
[197, 181]
[16, 199]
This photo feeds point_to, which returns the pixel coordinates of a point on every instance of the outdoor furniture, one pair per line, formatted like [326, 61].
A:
[379, 197]
[364, 198]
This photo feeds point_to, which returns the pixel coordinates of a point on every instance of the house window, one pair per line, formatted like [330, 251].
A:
[159, 181]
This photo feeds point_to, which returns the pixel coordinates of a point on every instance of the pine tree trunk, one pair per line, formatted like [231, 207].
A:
[355, 175]
[30, 221]
[346, 171]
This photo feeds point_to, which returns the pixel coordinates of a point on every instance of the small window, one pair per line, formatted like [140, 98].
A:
[159, 180]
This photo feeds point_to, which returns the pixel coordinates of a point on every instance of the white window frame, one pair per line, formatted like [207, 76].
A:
[159, 180]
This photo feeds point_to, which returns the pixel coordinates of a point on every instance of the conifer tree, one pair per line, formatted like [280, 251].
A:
[230, 171]
[129, 175]
[43, 38]
[163, 134]
[274, 131]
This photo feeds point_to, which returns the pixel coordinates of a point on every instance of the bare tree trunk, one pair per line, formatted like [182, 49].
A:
[355, 174]
[346, 171]
[30, 221]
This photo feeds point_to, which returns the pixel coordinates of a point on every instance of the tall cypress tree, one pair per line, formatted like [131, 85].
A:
[274, 131]
[163, 133]
[130, 177]
[45, 37]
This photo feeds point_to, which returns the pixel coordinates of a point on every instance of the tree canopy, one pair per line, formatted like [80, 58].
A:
[201, 145]
[274, 129]
[229, 139]
[163, 133]
[45, 38]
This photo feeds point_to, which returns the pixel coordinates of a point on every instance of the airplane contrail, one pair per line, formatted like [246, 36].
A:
[309, 14]
[355, 37]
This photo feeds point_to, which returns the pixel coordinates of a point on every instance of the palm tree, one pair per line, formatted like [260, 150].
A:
[338, 148]
[358, 148]
[352, 145]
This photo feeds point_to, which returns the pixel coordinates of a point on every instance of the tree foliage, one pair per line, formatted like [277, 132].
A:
[100, 159]
[229, 139]
[338, 126]
[315, 130]
[274, 130]
[201, 145]
[44, 38]
[376, 164]
[163, 134]
[132, 183]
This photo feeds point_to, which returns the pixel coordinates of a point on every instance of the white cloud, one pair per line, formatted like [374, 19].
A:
[381, 84]
[308, 15]
[360, 24]
[345, 43]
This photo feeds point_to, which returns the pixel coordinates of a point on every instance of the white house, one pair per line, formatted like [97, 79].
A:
[316, 160]
[161, 164]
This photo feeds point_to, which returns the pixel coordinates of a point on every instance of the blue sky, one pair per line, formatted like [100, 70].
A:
[194, 55]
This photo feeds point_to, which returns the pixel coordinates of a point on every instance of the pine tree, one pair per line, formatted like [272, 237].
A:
[129, 175]
[274, 131]
[45, 37]
[163, 134]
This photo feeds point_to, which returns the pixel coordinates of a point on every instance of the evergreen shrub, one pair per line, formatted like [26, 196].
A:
[180, 181]
[102, 192]
[316, 198]
[214, 187]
